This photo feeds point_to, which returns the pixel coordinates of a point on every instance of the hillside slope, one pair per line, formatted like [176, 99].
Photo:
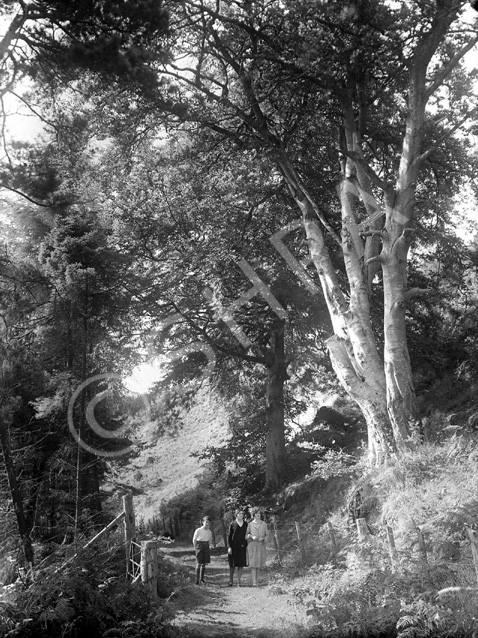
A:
[165, 467]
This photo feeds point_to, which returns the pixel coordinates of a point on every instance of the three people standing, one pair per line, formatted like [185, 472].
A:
[246, 545]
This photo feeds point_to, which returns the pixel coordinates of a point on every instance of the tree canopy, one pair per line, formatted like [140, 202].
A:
[373, 98]
[280, 176]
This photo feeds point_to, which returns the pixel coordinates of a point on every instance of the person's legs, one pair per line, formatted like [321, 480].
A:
[231, 574]
[203, 569]
[254, 576]
[239, 575]
[198, 570]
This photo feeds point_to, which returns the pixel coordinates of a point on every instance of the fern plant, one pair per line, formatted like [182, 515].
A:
[84, 600]
[426, 619]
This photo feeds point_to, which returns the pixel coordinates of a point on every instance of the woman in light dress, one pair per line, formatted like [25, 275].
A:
[256, 536]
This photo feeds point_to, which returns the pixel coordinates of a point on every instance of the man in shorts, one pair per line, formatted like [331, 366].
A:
[201, 539]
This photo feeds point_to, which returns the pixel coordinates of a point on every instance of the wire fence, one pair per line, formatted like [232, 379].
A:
[440, 569]
[321, 543]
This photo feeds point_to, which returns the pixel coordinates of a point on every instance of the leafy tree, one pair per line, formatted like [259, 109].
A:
[66, 314]
[51, 45]
[174, 206]
[392, 94]
[44, 38]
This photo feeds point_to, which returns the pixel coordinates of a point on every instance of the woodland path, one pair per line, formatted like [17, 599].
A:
[216, 610]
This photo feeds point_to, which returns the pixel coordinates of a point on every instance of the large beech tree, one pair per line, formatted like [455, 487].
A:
[371, 96]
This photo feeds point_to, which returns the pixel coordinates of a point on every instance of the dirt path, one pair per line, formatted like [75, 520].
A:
[217, 610]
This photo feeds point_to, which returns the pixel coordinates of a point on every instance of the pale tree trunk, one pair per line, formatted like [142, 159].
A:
[401, 400]
[380, 383]
[383, 389]
[276, 377]
[396, 235]
[352, 349]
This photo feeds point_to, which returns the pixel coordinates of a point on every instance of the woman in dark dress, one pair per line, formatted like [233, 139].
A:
[237, 547]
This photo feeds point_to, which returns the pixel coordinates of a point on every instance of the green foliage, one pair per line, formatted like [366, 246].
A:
[186, 217]
[357, 601]
[362, 587]
[425, 619]
[333, 463]
[112, 39]
[204, 499]
[86, 599]
[433, 487]
[240, 466]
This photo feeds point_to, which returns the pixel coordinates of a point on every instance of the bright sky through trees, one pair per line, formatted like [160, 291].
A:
[143, 377]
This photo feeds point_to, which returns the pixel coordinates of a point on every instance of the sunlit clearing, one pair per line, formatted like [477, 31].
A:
[143, 377]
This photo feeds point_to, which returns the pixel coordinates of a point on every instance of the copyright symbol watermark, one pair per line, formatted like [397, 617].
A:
[90, 420]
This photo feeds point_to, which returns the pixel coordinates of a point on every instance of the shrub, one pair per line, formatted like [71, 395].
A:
[85, 599]
[432, 619]
[356, 601]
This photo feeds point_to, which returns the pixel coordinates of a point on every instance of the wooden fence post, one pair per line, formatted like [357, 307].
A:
[332, 539]
[301, 544]
[129, 528]
[422, 549]
[362, 528]
[276, 539]
[392, 550]
[473, 536]
[149, 565]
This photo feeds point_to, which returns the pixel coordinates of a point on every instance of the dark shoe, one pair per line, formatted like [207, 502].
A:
[203, 582]
[197, 582]
[229, 583]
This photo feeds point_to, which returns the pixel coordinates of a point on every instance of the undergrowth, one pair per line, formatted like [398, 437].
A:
[88, 599]
[422, 586]
[409, 575]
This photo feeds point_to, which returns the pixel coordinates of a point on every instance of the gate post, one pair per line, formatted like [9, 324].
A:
[129, 528]
[473, 536]
[149, 565]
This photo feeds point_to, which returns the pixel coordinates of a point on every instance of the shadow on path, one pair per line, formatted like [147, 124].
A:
[216, 610]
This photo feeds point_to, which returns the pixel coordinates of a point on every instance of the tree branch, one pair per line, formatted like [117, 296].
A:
[377, 259]
[413, 293]
[12, 33]
[367, 169]
[215, 344]
[438, 81]
[14, 190]
[373, 233]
